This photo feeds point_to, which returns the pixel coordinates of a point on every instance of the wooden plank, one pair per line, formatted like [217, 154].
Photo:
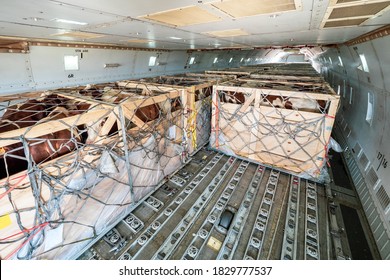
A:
[281, 82]
[146, 86]
[110, 121]
[278, 113]
[215, 116]
[181, 78]
[237, 73]
[212, 76]
[300, 94]
[112, 118]
[37, 94]
[81, 99]
[137, 121]
[204, 85]
[51, 126]
[287, 77]
[248, 102]
[196, 86]
[139, 103]
[190, 116]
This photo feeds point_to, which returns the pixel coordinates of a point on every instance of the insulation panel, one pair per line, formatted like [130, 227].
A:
[245, 8]
[183, 16]
[139, 41]
[346, 1]
[80, 35]
[359, 10]
[228, 33]
[347, 22]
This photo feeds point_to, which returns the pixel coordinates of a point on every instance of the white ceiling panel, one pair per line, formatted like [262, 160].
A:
[123, 22]
[379, 20]
[129, 27]
[45, 13]
[259, 25]
[25, 30]
[133, 8]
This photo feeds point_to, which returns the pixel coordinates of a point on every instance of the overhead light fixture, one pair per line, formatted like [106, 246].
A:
[110, 65]
[34, 18]
[274, 16]
[175, 38]
[69, 21]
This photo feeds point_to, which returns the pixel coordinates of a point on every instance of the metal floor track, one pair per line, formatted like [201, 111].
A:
[275, 216]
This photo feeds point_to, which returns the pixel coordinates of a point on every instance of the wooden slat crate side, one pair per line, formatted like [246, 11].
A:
[22, 195]
[286, 93]
[214, 77]
[191, 107]
[196, 81]
[286, 77]
[279, 142]
[256, 131]
[108, 113]
[299, 69]
[236, 73]
[307, 86]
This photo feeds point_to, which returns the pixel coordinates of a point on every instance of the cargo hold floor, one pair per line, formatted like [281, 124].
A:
[221, 207]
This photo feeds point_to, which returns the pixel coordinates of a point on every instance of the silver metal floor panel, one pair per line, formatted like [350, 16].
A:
[181, 219]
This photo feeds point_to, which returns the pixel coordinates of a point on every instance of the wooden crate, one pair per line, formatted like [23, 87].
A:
[238, 72]
[296, 69]
[198, 88]
[279, 83]
[294, 72]
[287, 77]
[85, 195]
[215, 77]
[289, 139]
[188, 79]
[179, 119]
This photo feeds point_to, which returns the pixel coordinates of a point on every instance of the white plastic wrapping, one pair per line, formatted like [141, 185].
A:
[334, 146]
[203, 121]
[78, 196]
[223, 145]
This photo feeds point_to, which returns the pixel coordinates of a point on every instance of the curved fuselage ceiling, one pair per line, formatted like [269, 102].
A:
[50, 44]
[191, 24]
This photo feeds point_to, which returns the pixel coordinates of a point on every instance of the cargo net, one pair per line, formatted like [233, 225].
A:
[73, 161]
[199, 125]
[200, 119]
[284, 129]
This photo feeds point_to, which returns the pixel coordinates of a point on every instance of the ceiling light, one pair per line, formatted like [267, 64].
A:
[34, 18]
[274, 16]
[175, 38]
[69, 21]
